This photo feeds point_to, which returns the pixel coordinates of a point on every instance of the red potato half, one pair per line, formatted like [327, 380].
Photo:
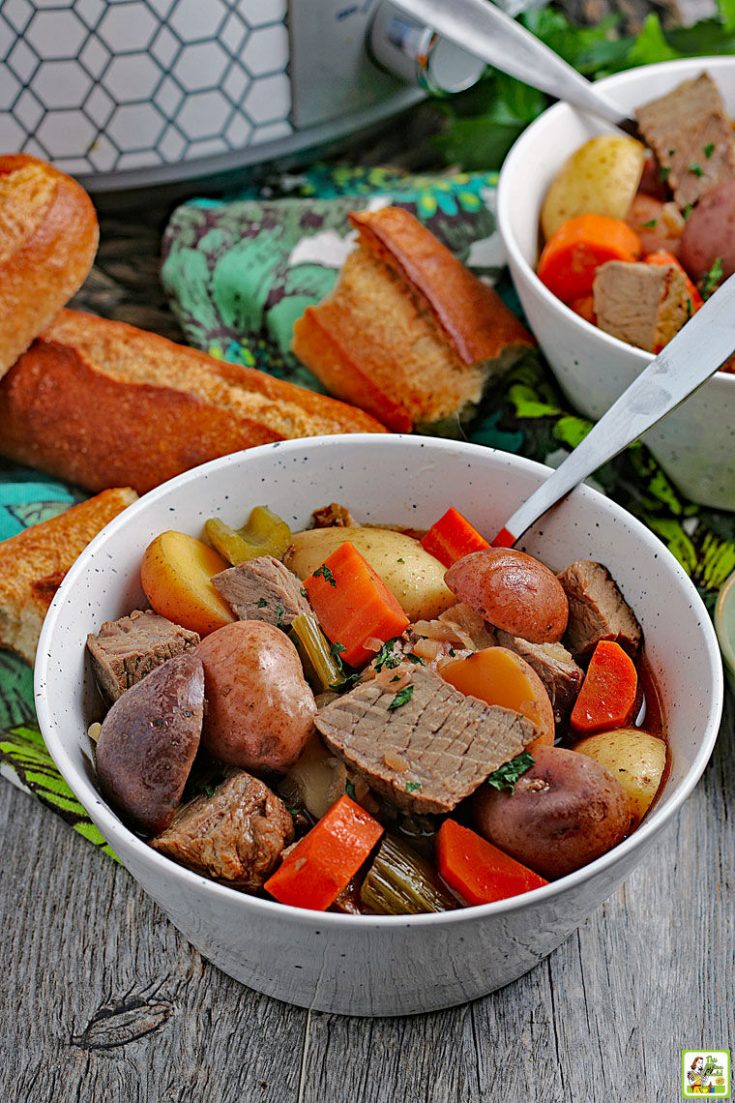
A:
[260, 711]
[709, 233]
[512, 591]
[564, 812]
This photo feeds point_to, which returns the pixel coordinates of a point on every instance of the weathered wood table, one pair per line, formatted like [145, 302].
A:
[102, 1001]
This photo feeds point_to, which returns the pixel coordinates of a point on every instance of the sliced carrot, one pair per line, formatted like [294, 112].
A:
[477, 870]
[353, 604]
[452, 537]
[500, 677]
[608, 694]
[585, 307]
[324, 861]
[572, 254]
[662, 257]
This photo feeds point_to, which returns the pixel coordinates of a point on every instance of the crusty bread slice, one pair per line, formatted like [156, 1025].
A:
[33, 565]
[409, 334]
[101, 403]
[48, 241]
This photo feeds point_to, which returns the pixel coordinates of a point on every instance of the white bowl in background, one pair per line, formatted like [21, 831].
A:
[380, 965]
[695, 444]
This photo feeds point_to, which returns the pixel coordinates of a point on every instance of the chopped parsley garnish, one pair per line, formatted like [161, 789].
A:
[415, 658]
[663, 173]
[396, 678]
[262, 603]
[506, 776]
[671, 152]
[350, 789]
[709, 149]
[650, 225]
[687, 211]
[209, 791]
[385, 656]
[412, 786]
[401, 698]
[348, 683]
[400, 560]
[303, 592]
[279, 615]
[696, 169]
[452, 652]
[326, 574]
[712, 279]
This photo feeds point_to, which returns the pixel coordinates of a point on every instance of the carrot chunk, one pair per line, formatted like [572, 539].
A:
[662, 257]
[324, 861]
[608, 694]
[477, 870]
[572, 254]
[353, 604]
[452, 537]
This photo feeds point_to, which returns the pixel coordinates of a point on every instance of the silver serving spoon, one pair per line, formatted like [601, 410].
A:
[688, 361]
[483, 30]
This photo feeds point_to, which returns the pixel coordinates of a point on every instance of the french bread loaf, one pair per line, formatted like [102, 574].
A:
[101, 404]
[409, 333]
[48, 241]
[33, 565]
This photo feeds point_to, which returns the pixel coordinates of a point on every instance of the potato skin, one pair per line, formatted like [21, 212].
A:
[601, 177]
[710, 233]
[149, 740]
[565, 811]
[413, 576]
[636, 758]
[260, 711]
[513, 591]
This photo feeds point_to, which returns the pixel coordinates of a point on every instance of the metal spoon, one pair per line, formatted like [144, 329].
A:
[488, 33]
[688, 361]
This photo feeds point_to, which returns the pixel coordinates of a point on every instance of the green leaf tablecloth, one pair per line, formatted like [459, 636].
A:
[238, 273]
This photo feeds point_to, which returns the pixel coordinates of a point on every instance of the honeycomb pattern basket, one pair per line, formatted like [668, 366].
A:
[108, 86]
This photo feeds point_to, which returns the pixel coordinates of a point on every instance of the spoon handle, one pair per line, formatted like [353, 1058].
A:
[488, 33]
[694, 354]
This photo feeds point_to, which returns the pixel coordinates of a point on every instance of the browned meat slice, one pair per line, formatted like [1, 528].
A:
[597, 609]
[555, 667]
[643, 304]
[125, 650]
[333, 516]
[692, 138]
[429, 753]
[262, 589]
[236, 835]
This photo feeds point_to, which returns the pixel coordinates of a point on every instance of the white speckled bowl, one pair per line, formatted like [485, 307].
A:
[381, 965]
[695, 444]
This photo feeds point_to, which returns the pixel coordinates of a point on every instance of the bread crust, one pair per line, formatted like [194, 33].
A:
[50, 263]
[90, 425]
[473, 316]
[33, 565]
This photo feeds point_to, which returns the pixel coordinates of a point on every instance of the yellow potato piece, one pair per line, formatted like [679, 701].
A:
[176, 575]
[601, 177]
[413, 576]
[634, 757]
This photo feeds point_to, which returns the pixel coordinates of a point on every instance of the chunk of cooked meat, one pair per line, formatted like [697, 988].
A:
[597, 609]
[262, 589]
[473, 632]
[643, 304]
[333, 516]
[429, 753]
[125, 650]
[561, 676]
[236, 835]
[692, 137]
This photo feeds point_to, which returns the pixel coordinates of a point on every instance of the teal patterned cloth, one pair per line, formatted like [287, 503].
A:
[238, 274]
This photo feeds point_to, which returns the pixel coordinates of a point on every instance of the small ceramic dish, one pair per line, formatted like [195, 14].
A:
[725, 626]
[695, 444]
[381, 965]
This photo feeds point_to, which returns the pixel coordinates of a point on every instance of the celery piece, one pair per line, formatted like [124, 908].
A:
[264, 533]
[400, 882]
[322, 668]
